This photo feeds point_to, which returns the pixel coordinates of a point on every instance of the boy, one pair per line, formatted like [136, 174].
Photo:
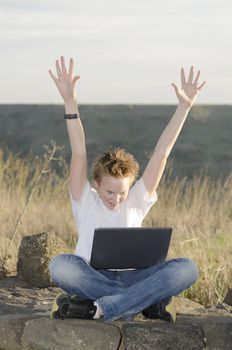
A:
[114, 202]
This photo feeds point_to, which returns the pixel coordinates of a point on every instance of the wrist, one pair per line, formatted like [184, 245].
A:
[185, 106]
[71, 107]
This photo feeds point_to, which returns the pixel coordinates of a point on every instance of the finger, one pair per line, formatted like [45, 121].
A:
[70, 70]
[201, 86]
[183, 79]
[197, 78]
[64, 70]
[53, 76]
[58, 68]
[75, 79]
[190, 78]
[176, 88]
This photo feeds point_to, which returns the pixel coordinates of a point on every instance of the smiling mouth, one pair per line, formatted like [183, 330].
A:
[113, 204]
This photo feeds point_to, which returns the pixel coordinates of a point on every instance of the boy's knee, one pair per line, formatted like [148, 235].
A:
[56, 263]
[65, 267]
[191, 268]
[55, 260]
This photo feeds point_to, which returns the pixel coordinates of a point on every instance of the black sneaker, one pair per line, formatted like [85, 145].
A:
[67, 306]
[60, 298]
[162, 311]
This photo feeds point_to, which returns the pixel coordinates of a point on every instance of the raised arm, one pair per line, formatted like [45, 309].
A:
[65, 83]
[186, 95]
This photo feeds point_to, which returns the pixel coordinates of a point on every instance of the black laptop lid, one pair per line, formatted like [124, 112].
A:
[130, 247]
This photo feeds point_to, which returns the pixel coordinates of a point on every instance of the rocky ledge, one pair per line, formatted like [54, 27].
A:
[25, 325]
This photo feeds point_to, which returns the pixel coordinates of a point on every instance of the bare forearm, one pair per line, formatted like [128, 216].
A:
[75, 130]
[172, 130]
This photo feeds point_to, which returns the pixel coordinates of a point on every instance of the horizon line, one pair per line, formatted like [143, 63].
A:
[113, 103]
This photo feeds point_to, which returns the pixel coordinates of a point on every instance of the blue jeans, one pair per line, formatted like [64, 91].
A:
[122, 294]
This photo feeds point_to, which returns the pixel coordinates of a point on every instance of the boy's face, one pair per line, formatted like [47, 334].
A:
[113, 191]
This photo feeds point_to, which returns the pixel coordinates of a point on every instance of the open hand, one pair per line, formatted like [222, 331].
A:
[65, 81]
[189, 88]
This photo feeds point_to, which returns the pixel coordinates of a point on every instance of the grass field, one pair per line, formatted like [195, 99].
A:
[199, 210]
[204, 142]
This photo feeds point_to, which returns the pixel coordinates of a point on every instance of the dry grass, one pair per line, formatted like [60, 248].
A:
[200, 212]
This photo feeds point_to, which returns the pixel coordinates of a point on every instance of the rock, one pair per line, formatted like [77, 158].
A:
[11, 331]
[8, 265]
[26, 301]
[228, 297]
[185, 306]
[25, 324]
[159, 336]
[220, 306]
[35, 253]
[13, 281]
[3, 270]
[217, 327]
[41, 334]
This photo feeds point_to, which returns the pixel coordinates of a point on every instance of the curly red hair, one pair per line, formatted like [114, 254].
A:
[115, 162]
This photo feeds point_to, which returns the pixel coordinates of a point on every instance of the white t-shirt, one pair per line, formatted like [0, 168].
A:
[90, 212]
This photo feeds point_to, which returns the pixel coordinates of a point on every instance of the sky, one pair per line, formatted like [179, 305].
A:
[126, 51]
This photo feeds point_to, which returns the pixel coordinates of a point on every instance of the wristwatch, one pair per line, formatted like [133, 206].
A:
[71, 116]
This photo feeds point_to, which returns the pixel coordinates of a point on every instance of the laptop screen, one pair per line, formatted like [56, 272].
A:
[130, 247]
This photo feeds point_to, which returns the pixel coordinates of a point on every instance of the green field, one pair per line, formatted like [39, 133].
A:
[205, 141]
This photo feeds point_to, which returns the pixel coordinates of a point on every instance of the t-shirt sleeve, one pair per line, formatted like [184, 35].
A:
[79, 207]
[140, 198]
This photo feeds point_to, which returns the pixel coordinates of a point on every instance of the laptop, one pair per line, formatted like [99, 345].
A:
[129, 247]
